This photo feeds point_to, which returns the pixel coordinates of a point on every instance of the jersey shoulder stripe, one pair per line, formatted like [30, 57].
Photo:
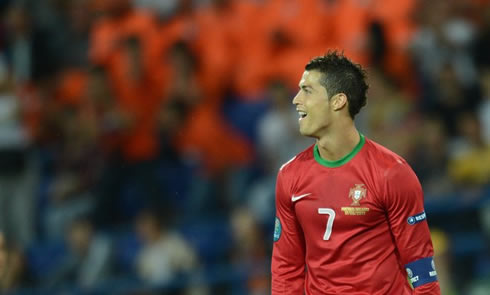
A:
[287, 163]
[305, 155]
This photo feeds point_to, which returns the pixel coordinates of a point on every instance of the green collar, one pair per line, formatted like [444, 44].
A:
[340, 162]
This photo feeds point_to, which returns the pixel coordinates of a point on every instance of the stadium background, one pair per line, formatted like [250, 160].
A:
[139, 140]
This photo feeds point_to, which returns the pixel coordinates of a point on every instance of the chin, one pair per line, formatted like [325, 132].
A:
[305, 133]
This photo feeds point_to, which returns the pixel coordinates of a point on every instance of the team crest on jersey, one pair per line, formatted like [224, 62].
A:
[356, 193]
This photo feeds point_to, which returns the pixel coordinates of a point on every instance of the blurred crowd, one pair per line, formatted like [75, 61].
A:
[140, 140]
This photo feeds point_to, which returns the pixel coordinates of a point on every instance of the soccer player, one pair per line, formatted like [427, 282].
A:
[350, 213]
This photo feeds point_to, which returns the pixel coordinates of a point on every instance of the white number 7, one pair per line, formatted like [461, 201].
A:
[331, 217]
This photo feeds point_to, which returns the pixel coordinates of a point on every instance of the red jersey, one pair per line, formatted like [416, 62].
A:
[353, 226]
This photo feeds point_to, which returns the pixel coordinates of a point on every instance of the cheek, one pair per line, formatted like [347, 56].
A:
[319, 110]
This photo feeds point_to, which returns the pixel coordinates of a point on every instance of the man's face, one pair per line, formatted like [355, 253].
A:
[312, 104]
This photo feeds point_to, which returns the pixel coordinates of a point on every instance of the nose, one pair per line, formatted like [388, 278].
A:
[297, 99]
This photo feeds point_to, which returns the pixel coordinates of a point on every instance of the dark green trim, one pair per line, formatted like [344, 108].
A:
[340, 162]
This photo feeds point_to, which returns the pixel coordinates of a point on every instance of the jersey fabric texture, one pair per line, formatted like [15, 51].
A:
[352, 226]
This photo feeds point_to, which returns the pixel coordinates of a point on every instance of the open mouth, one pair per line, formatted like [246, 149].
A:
[302, 114]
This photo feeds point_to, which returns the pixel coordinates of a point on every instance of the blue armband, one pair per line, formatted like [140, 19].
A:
[421, 271]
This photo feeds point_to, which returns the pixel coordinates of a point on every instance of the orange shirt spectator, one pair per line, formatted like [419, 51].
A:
[110, 32]
[126, 43]
[138, 98]
[208, 137]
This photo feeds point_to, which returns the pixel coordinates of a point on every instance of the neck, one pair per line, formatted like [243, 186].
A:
[338, 142]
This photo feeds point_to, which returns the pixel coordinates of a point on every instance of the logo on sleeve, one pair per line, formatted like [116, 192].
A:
[416, 218]
[277, 230]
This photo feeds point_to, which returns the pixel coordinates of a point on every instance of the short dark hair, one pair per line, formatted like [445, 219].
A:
[341, 75]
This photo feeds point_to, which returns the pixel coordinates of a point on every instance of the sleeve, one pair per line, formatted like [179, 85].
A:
[288, 254]
[404, 203]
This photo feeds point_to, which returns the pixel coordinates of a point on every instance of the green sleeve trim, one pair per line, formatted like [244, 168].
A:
[340, 162]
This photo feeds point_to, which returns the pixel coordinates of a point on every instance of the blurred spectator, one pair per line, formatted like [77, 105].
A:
[470, 163]
[484, 107]
[138, 98]
[201, 134]
[135, 99]
[485, 219]
[165, 255]
[3, 260]
[17, 169]
[453, 97]
[88, 259]
[120, 22]
[249, 252]
[214, 46]
[77, 18]
[14, 273]
[3, 254]
[18, 27]
[442, 259]
[181, 96]
[78, 161]
[431, 157]
[181, 25]
[479, 288]
[278, 141]
[204, 133]
[481, 46]
[48, 37]
[444, 36]
[468, 137]
[389, 112]
[162, 9]
[107, 118]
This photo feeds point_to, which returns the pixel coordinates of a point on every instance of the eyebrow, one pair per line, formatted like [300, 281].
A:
[305, 86]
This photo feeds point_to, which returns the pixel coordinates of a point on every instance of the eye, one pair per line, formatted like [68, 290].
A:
[306, 89]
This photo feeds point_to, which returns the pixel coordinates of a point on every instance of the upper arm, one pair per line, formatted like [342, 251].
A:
[404, 203]
[288, 256]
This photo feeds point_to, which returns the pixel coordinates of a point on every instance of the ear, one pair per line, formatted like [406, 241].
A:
[338, 101]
